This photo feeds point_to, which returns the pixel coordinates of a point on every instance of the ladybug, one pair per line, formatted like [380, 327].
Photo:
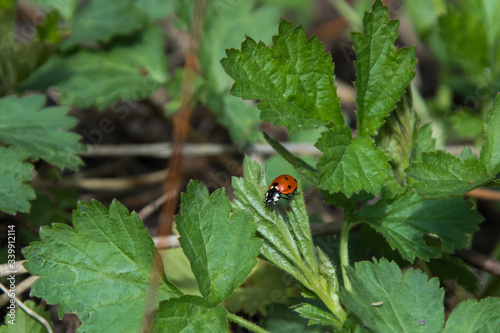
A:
[284, 185]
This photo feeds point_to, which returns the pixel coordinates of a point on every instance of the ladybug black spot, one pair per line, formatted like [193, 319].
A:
[289, 187]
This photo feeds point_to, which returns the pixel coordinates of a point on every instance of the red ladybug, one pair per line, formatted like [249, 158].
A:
[283, 185]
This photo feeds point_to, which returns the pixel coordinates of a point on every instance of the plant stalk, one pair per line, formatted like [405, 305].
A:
[334, 306]
[245, 323]
[344, 251]
[348, 13]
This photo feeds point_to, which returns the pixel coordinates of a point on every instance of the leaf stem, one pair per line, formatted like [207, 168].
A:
[334, 306]
[347, 13]
[344, 251]
[245, 323]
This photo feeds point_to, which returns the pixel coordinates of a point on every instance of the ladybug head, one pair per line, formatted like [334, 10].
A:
[272, 196]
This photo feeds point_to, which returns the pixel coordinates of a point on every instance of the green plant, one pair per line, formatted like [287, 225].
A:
[106, 268]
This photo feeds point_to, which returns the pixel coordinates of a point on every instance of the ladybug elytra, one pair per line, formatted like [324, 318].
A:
[283, 185]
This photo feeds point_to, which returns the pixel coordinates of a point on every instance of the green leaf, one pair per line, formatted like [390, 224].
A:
[293, 80]
[241, 119]
[190, 314]
[14, 192]
[66, 8]
[40, 131]
[299, 164]
[100, 21]
[474, 317]
[101, 269]
[220, 246]
[397, 136]
[225, 25]
[284, 320]
[299, 223]
[406, 220]
[425, 142]
[453, 268]
[129, 70]
[388, 301]
[19, 59]
[490, 149]
[382, 71]
[466, 124]
[266, 286]
[350, 165]
[316, 315]
[156, 9]
[441, 174]
[279, 245]
[23, 322]
[471, 38]
[288, 245]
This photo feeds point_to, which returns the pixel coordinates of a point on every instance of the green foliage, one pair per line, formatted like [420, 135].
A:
[479, 30]
[490, 149]
[26, 323]
[22, 119]
[350, 165]
[315, 315]
[219, 245]
[20, 59]
[178, 270]
[303, 167]
[101, 21]
[293, 79]
[441, 174]
[190, 314]
[100, 269]
[282, 320]
[289, 247]
[106, 269]
[475, 316]
[402, 158]
[14, 192]
[67, 9]
[406, 220]
[389, 301]
[382, 71]
[450, 268]
[265, 288]
[397, 136]
[126, 70]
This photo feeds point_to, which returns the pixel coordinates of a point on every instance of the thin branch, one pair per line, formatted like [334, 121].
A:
[166, 242]
[18, 269]
[20, 288]
[480, 261]
[32, 313]
[164, 150]
[484, 194]
[153, 206]
[107, 184]
[347, 12]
